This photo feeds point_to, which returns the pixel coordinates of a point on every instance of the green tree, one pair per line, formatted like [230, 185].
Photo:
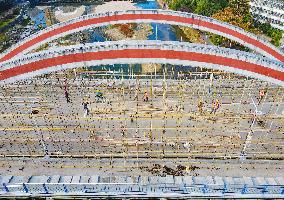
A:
[241, 6]
[273, 33]
[203, 7]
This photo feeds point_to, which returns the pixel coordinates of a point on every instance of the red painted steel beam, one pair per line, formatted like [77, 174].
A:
[141, 53]
[164, 17]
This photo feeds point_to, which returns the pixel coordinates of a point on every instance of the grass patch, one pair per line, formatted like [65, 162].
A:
[6, 22]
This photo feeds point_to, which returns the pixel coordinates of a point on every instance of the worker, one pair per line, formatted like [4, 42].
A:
[261, 96]
[200, 106]
[86, 109]
[215, 106]
[66, 95]
[145, 97]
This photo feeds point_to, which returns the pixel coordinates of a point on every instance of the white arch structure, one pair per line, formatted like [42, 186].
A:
[130, 52]
[144, 16]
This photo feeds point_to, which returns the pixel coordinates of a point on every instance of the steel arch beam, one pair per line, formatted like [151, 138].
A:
[127, 52]
[144, 16]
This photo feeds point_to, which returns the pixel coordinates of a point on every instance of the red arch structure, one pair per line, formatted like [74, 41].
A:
[145, 16]
[122, 52]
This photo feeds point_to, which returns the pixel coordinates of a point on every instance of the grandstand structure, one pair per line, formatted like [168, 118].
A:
[127, 134]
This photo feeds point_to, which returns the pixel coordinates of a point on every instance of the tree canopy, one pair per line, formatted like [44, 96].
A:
[235, 12]
[202, 7]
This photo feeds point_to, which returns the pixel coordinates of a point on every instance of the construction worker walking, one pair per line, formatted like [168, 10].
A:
[261, 95]
[200, 106]
[145, 97]
[215, 106]
[86, 109]
[66, 95]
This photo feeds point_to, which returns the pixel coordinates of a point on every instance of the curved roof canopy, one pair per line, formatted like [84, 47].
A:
[127, 52]
[144, 16]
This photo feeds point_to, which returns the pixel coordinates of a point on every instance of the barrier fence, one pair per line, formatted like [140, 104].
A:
[146, 186]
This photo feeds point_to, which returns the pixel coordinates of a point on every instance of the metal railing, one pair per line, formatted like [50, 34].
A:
[146, 186]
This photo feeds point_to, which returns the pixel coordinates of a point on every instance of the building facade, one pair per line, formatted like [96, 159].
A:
[268, 11]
